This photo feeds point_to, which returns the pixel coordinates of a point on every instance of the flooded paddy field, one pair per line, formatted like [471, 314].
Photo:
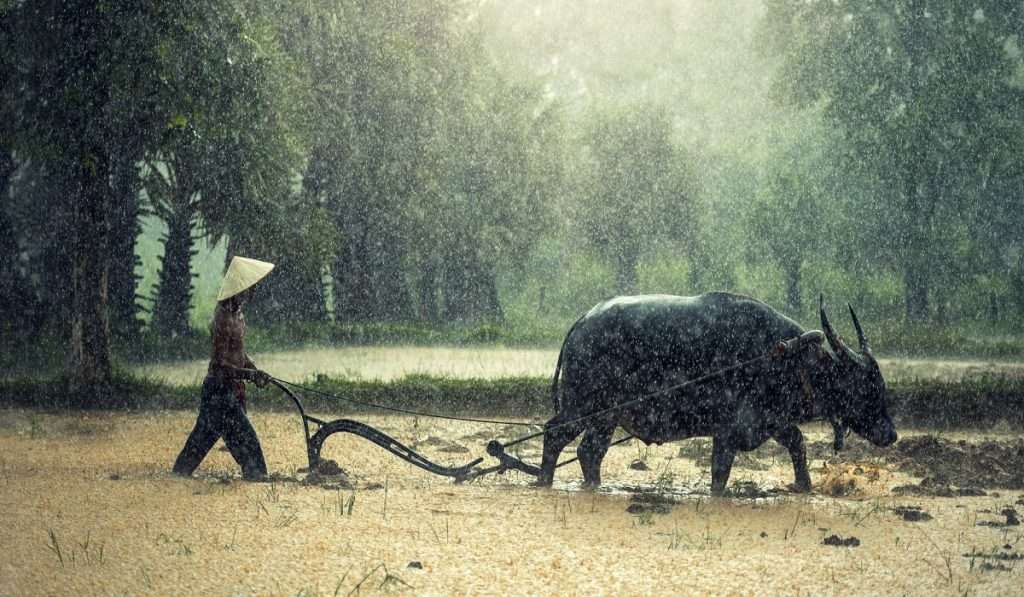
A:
[90, 508]
[387, 363]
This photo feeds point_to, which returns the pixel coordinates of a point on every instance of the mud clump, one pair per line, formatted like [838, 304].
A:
[837, 541]
[987, 565]
[328, 467]
[912, 513]
[650, 503]
[327, 474]
[963, 464]
[997, 567]
[932, 487]
[1011, 519]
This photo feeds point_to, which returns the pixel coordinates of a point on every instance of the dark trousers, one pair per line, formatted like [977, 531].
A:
[222, 415]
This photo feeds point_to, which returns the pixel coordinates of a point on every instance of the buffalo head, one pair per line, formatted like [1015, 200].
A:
[853, 387]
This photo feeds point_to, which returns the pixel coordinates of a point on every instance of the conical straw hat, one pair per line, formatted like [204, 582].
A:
[242, 273]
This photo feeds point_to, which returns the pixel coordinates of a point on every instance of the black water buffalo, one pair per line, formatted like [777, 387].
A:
[635, 346]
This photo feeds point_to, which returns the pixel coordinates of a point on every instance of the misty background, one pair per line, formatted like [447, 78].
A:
[448, 171]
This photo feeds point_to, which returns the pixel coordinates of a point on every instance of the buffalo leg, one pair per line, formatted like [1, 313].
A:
[793, 440]
[592, 450]
[722, 455]
[557, 436]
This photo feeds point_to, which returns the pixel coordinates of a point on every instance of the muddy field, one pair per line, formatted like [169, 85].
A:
[387, 363]
[89, 508]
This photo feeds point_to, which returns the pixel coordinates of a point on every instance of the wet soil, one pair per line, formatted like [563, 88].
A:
[959, 465]
[97, 513]
[947, 466]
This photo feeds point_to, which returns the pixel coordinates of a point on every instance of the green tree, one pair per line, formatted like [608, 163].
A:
[920, 91]
[787, 219]
[72, 109]
[376, 90]
[501, 167]
[231, 145]
[41, 219]
[635, 191]
[123, 95]
[422, 155]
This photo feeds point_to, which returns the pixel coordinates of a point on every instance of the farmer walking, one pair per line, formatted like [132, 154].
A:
[222, 406]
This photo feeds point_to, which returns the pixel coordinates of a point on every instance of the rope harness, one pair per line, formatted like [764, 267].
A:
[399, 410]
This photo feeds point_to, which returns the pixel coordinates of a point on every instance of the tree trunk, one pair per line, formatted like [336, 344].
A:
[915, 283]
[794, 301]
[305, 297]
[1017, 288]
[12, 287]
[457, 297]
[7, 168]
[392, 299]
[352, 298]
[697, 272]
[470, 289]
[626, 261]
[428, 286]
[124, 231]
[369, 282]
[915, 268]
[174, 289]
[56, 287]
[17, 301]
[494, 312]
[90, 368]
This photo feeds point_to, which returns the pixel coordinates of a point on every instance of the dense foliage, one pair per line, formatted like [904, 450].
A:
[447, 164]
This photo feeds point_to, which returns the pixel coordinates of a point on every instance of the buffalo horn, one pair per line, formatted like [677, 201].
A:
[833, 339]
[861, 338]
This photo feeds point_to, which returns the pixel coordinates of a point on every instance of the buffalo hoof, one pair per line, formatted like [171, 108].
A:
[542, 483]
[717, 491]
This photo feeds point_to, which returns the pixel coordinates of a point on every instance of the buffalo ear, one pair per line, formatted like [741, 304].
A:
[814, 355]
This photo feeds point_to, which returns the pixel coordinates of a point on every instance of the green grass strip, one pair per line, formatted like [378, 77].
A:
[972, 403]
